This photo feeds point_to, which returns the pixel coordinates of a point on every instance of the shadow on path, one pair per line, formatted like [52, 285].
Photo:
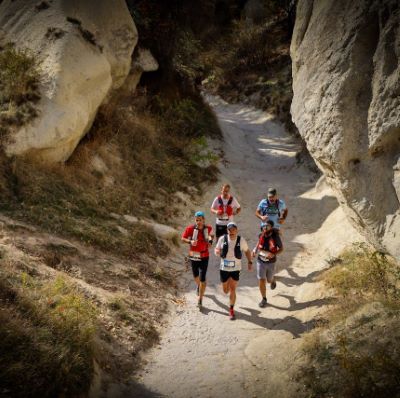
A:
[289, 323]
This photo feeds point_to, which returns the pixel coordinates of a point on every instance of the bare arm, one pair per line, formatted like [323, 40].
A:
[186, 240]
[260, 216]
[249, 258]
[215, 211]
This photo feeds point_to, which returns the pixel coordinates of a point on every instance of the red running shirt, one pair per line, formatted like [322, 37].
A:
[202, 244]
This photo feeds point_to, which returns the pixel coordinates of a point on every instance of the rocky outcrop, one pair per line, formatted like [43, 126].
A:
[84, 48]
[346, 105]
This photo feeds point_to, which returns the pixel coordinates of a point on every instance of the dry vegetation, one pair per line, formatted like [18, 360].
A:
[98, 297]
[19, 81]
[47, 330]
[132, 161]
[64, 306]
[251, 63]
[356, 352]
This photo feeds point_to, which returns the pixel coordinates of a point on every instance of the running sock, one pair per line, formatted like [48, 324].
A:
[231, 307]
[264, 298]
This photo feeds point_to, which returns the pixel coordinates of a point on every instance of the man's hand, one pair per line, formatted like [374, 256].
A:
[281, 221]
[253, 253]
[220, 212]
[264, 218]
[270, 255]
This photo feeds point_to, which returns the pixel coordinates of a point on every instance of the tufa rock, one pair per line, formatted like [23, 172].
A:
[346, 105]
[84, 48]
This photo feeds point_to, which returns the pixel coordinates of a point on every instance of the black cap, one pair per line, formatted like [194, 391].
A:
[271, 192]
[270, 222]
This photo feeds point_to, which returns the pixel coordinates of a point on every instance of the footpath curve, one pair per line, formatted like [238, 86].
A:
[204, 354]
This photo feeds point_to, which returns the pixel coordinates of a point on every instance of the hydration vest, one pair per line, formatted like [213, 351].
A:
[196, 233]
[268, 243]
[228, 209]
[196, 253]
[225, 247]
[274, 207]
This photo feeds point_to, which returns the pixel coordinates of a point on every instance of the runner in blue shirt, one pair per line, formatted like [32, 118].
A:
[273, 209]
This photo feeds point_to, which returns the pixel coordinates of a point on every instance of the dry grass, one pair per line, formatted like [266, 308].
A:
[47, 330]
[252, 63]
[145, 155]
[355, 354]
[19, 88]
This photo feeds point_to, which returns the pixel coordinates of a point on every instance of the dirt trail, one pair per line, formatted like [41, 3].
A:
[204, 354]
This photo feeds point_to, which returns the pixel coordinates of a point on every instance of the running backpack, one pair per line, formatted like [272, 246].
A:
[271, 205]
[196, 233]
[268, 244]
[225, 247]
[229, 208]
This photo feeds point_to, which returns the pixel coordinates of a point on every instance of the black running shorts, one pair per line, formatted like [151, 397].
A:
[220, 230]
[225, 275]
[199, 268]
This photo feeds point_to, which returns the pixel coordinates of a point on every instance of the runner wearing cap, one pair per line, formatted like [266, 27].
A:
[224, 206]
[268, 247]
[230, 248]
[200, 238]
[273, 209]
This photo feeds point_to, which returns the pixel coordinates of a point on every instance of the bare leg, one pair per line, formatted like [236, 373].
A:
[202, 289]
[232, 295]
[225, 287]
[263, 288]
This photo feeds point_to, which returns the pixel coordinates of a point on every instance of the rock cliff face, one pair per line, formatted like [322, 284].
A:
[85, 49]
[346, 105]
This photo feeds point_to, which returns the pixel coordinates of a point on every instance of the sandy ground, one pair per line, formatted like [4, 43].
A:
[204, 354]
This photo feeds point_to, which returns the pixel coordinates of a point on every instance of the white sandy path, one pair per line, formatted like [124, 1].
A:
[204, 354]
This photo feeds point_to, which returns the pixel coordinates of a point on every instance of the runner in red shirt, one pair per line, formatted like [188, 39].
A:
[200, 238]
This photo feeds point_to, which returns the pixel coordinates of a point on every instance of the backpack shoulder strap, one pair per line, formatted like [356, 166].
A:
[230, 200]
[238, 241]
[220, 200]
[205, 232]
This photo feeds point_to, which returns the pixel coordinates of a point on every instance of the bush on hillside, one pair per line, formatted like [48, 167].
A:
[19, 81]
[47, 332]
[355, 354]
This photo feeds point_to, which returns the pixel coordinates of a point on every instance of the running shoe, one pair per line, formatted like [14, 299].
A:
[232, 314]
[273, 285]
[263, 303]
[200, 303]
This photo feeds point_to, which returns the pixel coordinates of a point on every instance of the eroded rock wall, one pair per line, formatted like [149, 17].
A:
[84, 48]
[346, 105]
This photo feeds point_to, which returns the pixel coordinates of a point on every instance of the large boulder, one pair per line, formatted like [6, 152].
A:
[85, 50]
[346, 105]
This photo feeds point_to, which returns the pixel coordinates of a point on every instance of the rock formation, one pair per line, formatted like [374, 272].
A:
[84, 48]
[346, 105]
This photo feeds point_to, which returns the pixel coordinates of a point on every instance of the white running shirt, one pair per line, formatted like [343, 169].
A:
[230, 263]
[215, 205]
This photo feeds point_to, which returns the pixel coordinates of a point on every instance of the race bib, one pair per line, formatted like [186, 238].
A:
[195, 256]
[223, 217]
[229, 263]
[263, 255]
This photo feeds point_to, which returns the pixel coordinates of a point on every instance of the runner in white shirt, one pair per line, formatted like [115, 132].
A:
[230, 248]
[224, 206]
